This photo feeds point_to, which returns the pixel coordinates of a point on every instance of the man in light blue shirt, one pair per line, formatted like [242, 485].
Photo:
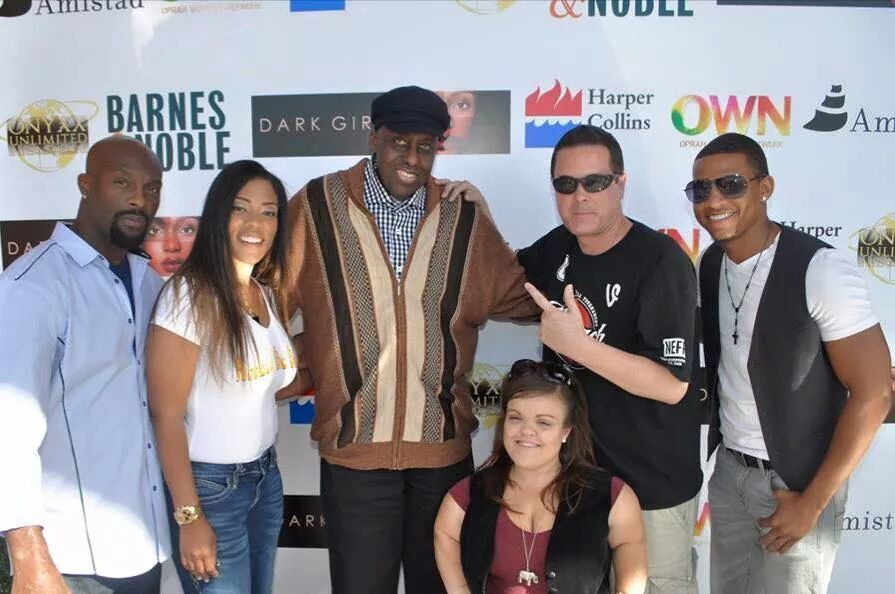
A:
[82, 504]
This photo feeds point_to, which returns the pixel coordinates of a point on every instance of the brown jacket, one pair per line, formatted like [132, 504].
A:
[390, 357]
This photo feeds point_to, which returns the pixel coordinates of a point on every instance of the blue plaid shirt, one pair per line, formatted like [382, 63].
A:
[397, 219]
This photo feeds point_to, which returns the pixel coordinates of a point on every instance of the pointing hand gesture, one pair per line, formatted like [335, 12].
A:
[562, 329]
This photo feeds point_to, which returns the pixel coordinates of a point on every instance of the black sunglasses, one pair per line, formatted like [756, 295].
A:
[730, 186]
[552, 372]
[593, 183]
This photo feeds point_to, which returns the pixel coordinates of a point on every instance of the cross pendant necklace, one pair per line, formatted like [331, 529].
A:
[736, 306]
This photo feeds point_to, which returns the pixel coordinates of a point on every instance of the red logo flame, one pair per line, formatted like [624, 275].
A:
[558, 101]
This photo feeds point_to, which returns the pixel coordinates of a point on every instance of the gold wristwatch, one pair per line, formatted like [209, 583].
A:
[187, 514]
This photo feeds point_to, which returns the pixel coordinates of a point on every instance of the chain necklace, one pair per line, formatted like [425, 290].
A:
[248, 308]
[736, 307]
[527, 576]
[252, 313]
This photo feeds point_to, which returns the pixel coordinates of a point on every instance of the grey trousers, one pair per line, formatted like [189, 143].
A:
[739, 496]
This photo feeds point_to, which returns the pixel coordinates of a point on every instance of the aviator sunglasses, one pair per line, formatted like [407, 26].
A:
[593, 183]
[730, 186]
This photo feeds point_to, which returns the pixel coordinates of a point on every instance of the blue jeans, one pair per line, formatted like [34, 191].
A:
[244, 505]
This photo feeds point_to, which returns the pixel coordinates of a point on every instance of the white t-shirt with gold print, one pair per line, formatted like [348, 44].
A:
[233, 419]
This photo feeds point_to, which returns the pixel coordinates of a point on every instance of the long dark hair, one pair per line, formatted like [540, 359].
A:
[576, 456]
[210, 278]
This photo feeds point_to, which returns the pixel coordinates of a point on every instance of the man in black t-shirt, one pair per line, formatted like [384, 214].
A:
[619, 303]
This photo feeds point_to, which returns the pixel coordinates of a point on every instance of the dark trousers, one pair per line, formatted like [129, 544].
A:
[377, 519]
[147, 583]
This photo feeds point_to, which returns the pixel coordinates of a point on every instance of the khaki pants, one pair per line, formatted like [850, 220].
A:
[669, 545]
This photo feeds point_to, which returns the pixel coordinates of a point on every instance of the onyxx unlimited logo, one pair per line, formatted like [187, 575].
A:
[876, 248]
[47, 134]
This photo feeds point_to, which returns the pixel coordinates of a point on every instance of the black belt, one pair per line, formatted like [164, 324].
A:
[750, 461]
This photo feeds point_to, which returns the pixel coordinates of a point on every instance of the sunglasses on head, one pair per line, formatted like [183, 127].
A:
[547, 370]
[593, 183]
[730, 186]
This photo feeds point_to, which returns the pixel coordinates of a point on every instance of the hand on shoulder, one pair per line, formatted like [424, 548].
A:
[453, 189]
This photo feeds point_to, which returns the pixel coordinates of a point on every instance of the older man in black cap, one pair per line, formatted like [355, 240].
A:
[394, 283]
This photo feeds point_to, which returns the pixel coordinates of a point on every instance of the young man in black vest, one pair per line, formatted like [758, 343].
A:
[628, 329]
[798, 372]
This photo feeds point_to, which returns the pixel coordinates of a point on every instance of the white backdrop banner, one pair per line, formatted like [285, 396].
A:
[289, 82]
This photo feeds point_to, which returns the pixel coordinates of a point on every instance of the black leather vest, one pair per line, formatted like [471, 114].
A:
[797, 394]
[578, 554]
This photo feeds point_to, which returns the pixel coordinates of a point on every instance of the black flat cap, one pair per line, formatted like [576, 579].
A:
[411, 110]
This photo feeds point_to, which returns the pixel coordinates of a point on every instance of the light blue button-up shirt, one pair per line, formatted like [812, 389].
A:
[77, 452]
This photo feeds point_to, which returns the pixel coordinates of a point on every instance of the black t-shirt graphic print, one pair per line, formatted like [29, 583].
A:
[640, 297]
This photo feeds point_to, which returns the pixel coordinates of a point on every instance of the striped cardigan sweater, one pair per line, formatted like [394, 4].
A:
[390, 357]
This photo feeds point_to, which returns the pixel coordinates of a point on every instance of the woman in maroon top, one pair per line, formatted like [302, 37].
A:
[542, 453]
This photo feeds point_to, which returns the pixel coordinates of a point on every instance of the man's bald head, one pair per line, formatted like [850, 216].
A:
[120, 193]
[105, 152]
